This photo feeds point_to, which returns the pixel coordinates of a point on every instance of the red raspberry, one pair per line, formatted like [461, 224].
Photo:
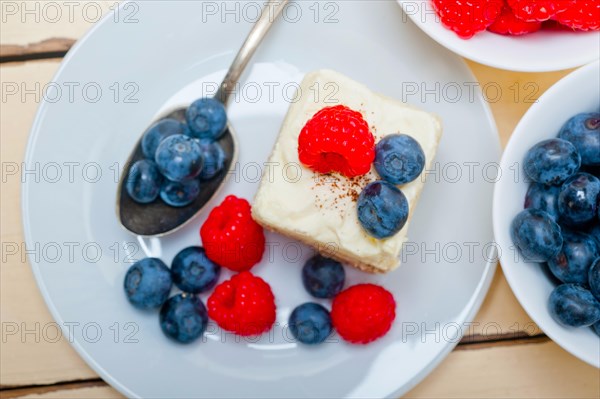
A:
[244, 304]
[508, 24]
[337, 139]
[468, 17]
[582, 15]
[363, 313]
[231, 237]
[538, 10]
[552, 25]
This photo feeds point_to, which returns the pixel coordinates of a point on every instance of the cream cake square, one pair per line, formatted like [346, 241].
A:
[320, 210]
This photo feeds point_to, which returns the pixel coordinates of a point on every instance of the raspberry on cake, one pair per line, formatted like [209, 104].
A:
[321, 209]
[337, 139]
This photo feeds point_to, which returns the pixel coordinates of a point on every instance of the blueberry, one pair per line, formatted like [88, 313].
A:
[310, 323]
[552, 161]
[574, 306]
[578, 199]
[399, 158]
[543, 197]
[206, 118]
[382, 209]
[583, 131]
[596, 328]
[323, 277]
[158, 132]
[143, 181]
[183, 318]
[179, 194]
[572, 264]
[148, 283]
[179, 158]
[193, 271]
[594, 278]
[537, 236]
[214, 159]
[594, 231]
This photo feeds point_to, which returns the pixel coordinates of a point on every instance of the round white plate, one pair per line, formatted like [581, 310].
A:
[542, 51]
[174, 53]
[575, 93]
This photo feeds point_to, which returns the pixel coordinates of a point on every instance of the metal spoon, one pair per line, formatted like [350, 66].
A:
[158, 218]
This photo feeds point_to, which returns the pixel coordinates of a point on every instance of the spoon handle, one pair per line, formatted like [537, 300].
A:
[269, 14]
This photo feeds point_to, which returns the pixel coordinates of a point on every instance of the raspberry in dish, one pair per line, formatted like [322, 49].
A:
[363, 313]
[581, 15]
[337, 139]
[508, 24]
[321, 210]
[538, 10]
[466, 18]
[244, 304]
[231, 238]
[517, 17]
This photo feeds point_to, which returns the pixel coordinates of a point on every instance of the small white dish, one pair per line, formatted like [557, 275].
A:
[170, 53]
[575, 93]
[542, 51]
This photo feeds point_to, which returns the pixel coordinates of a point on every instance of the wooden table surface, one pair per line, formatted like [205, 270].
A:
[505, 355]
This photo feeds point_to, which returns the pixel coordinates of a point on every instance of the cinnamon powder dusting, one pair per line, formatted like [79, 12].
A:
[341, 190]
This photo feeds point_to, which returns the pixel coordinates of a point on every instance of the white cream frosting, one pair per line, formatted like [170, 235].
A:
[321, 210]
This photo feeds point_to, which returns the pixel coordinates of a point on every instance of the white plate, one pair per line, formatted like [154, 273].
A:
[542, 51]
[577, 92]
[172, 55]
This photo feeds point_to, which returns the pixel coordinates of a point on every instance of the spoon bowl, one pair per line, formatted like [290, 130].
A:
[157, 218]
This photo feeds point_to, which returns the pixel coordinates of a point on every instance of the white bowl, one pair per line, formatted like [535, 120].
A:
[541, 51]
[577, 92]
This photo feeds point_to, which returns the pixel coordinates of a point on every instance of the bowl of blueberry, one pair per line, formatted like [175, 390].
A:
[547, 213]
